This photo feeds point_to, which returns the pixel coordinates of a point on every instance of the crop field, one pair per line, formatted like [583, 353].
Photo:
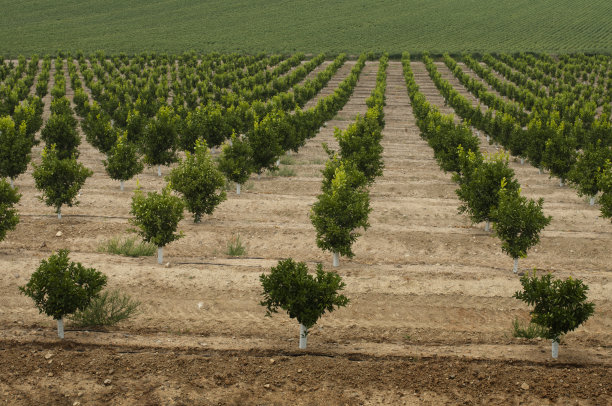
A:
[395, 26]
[431, 293]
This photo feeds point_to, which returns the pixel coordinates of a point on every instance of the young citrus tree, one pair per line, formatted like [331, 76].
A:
[61, 129]
[156, 216]
[560, 306]
[98, 129]
[8, 214]
[161, 138]
[15, 149]
[235, 161]
[604, 182]
[265, 140]
[122, 162]
[60, 287]
[519, 222]
[479, 184]
[559, 155]
[199, 181]
[59, 179]
[338, 212]
[304, 297]
[585, 172]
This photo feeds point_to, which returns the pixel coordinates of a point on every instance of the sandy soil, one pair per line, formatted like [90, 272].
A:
[431, 308]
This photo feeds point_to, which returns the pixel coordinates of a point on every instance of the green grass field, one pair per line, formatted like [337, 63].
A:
[352, 26]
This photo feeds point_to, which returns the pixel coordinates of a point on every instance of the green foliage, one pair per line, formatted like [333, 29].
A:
[59, 179]
[584, 173]
[161, 138]
[604, 182]
[560, 306]
[122, 161]
[8, 214]
[206, 122]
[340, 210]
[235, 161]
[60, 287]
[129, 246]
[107, 309]
[60, 130]
[290, 287]
[98, 129]
[157, 216]
[199, 181]
[519, 222]
[15, 148]
[265, 140]
[480, 182]
[29, 111]
[235, 248]
[360, 143]
[529, 331]
[559, 155]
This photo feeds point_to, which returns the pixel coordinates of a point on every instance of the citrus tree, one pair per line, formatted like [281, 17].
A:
[15, 148]
[59, 180]
[199, 181]
[60, 287]
[235, 161]
[519, 222]
[122, 162]
[303, 296]
[338, 212]
[160, 139]
[8, 214]
[156, 215]
[559, 306]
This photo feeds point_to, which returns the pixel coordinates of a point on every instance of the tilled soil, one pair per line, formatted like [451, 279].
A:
[431, 308]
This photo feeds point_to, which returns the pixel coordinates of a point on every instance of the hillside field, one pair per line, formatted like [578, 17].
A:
[272, 26]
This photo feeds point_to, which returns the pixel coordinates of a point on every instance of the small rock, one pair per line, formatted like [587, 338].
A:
[524, 386]
[76, 403]
[272, 361]
[50, 374]
[300, 371]
[79, 394]
[48, 355]
[451, 376]
[43, 245]
[59, 234]
[107, 382]
[167, 265]
[267, 386]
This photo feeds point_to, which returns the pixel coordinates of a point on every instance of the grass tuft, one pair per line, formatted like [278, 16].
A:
[108, 309]
[529, 330]
[235, 248]
[128, 246]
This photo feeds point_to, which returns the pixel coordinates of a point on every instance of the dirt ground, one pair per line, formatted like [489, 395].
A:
[429, 321]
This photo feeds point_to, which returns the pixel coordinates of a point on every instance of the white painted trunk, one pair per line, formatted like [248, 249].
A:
[278, 162]
[540, 171]
[555, 349]
[237, 188]
[160, 255]
[592, 201]
[59, 213]
[522, 161]
[303, 337]
[561, 183]
[121, 185]
[515, 265]
[60, 328]
[487, 226]
[488, 139]
[158, 170]
[336, 260]
[12, 183]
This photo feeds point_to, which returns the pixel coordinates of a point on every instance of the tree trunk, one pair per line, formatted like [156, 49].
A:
[488, 138]
[515, 265]
[278, 162]
[540, 171]
[121, 185]
[158, 170]
[555, 349]
[336, 261]
[160, 255]
[59, 213]
[487, 226]
[60, 328]
[561, 183]
[592, 201]
[303, 336]
[237, 188]
[12, 183]
[522, 161]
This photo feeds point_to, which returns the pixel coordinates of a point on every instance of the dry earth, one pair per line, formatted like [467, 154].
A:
[431, 308]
